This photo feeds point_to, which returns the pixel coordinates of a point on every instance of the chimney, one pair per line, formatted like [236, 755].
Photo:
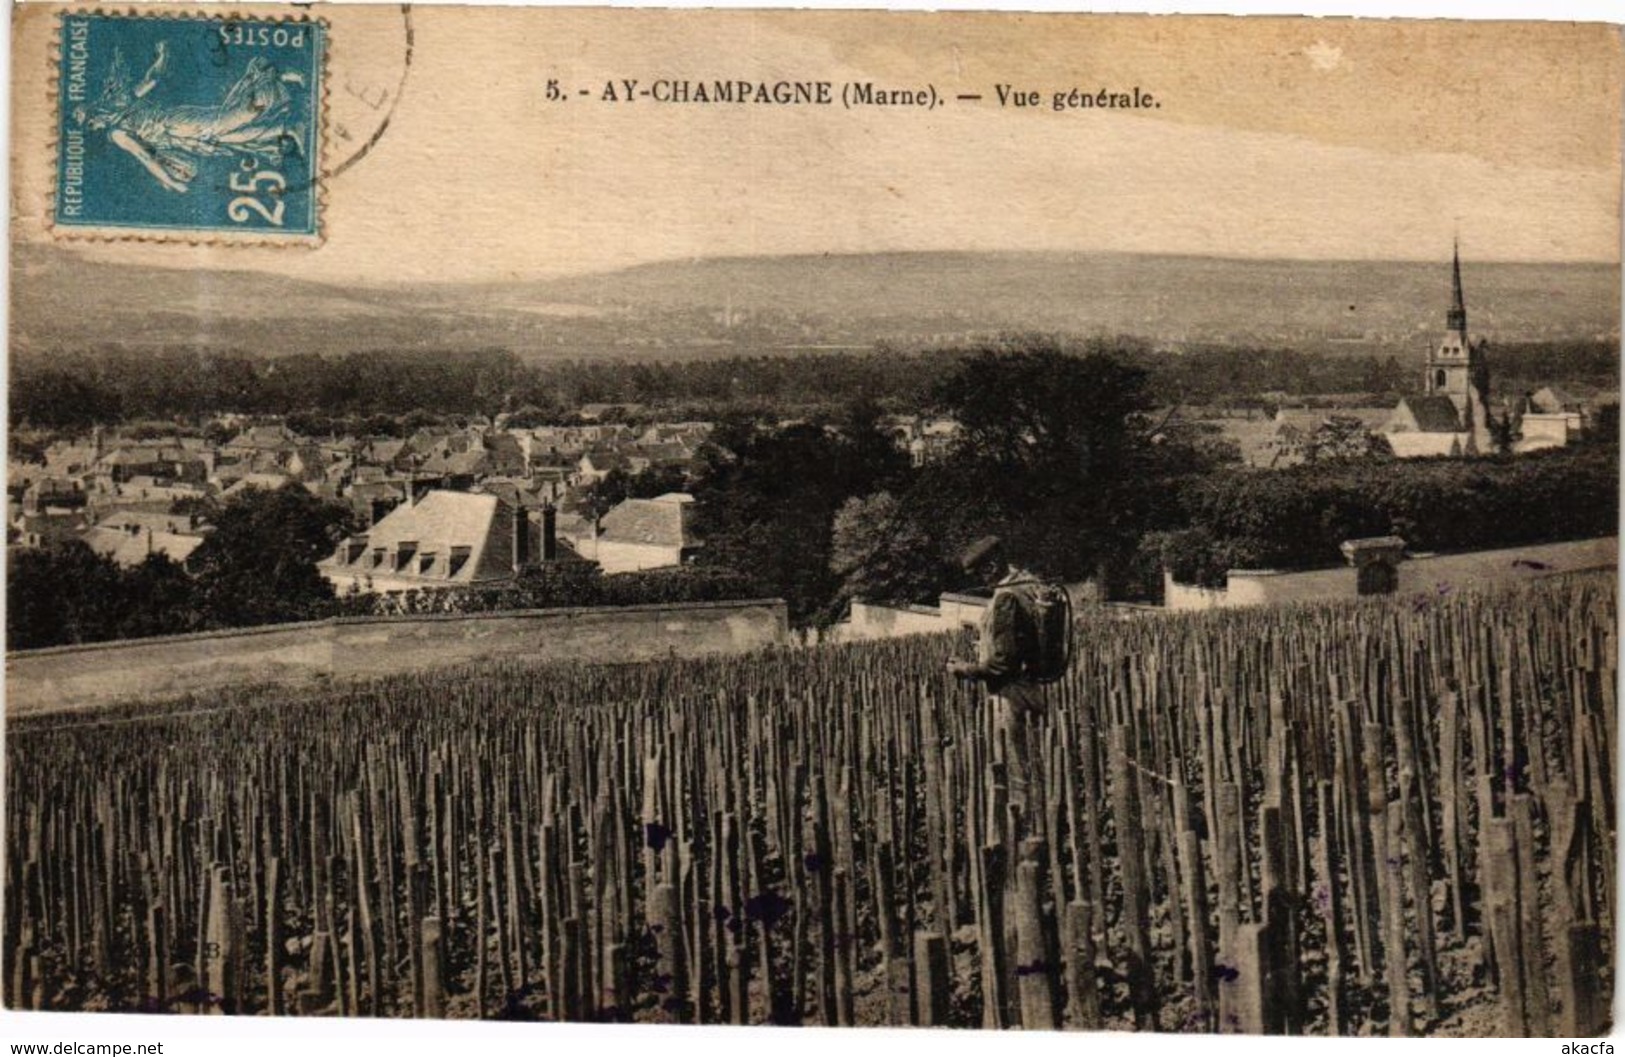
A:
[521, 538]
[550, 532]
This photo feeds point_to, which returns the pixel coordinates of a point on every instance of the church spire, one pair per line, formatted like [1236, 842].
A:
[1456, 318]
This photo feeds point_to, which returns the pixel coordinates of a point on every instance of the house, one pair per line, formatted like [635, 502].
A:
[20, 474]
[125, 462]
[45, 494]
[67, 459]
[146, 492]
[443, 540]
[129, 537]
[691, 434]
[552, 445]
[131, 549]
[1537, 431]
[528, 494]
[599, 464]
[381, 451]
[337, 477]
[275, 439]
[1548, 418]
[665, 454]
[578, 530]
[306, 462]
[133, 521]
[503, 455]
[373, 500]
[50, 527]
[365, 474]
[924, 439]
[424, 443]
[457, 471]
[643, 534]
[552, 480]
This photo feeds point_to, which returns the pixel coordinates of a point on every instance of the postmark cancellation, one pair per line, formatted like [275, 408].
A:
[188, 127]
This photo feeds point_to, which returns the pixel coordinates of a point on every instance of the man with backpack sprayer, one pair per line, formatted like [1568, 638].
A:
[1024, 644]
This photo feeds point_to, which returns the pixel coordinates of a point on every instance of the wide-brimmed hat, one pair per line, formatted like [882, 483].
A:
[979, 552]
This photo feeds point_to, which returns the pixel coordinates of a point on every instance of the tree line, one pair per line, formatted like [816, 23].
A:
[376, 391]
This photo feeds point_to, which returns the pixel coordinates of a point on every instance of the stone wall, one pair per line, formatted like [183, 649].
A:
[70, 677]
[1428, 574]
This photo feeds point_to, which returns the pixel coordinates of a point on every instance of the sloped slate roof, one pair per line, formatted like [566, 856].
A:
[370, 490]
[1433, 414]
[573, 527]
[269, 481]
[54, 524]
[63, 455]
[442, 520]
[1551, 400]
[131, 549]
[384, 449]
[607, 460]
[664, 452]
[511, 491]
[125, 520]
[133, 455]
[471, 462]
[660, 522]
[263, 437]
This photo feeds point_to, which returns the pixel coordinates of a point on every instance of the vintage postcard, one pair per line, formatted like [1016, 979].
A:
[813, 518]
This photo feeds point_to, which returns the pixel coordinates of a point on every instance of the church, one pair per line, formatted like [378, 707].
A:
[1451, 416]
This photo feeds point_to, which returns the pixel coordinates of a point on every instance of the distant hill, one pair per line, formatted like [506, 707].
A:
[781, 304]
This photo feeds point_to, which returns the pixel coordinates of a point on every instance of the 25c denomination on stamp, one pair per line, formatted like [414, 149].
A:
[189, 128]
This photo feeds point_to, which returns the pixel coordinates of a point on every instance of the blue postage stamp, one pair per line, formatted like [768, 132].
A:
[189, 127]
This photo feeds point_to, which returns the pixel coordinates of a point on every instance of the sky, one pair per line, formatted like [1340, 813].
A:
[1314, 138]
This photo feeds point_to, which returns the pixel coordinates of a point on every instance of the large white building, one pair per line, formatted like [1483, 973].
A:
[445, 539]
[643, 534]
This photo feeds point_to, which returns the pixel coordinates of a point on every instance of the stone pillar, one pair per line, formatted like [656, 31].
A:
[1376, 563]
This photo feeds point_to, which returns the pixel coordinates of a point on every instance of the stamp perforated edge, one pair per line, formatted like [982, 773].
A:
[179, 236]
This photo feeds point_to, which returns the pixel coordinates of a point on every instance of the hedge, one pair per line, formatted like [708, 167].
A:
[1296, 518]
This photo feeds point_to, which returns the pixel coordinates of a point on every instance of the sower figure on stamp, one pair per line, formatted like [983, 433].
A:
[1023, 644]
[254, 121]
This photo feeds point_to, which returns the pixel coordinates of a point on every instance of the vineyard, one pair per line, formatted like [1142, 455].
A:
[1389, 817]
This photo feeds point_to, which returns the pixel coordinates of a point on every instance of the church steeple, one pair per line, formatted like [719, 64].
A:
[1449, 361]
[1456, 318]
